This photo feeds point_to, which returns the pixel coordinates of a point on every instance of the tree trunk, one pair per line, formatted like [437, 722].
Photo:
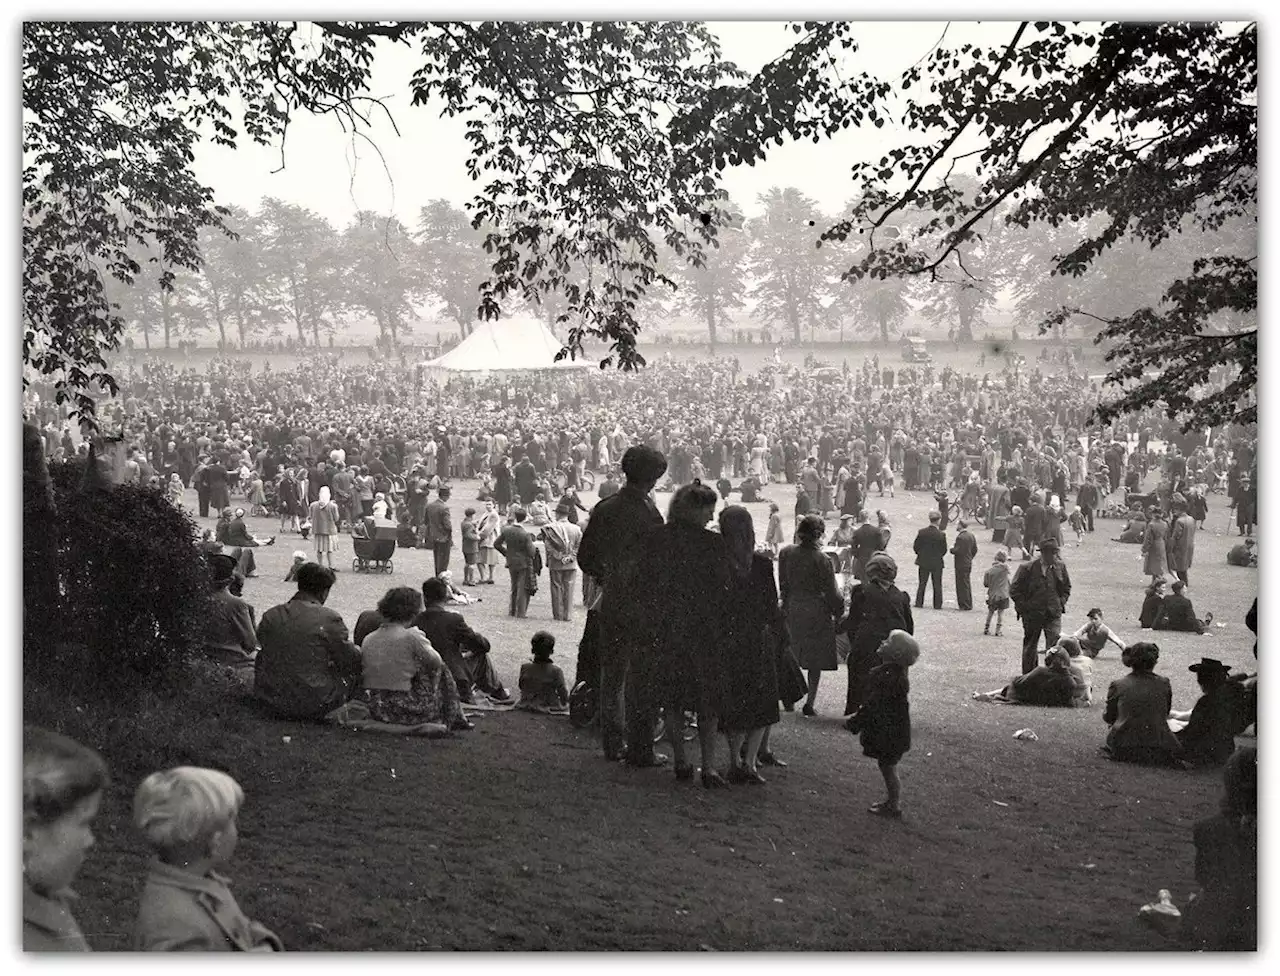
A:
[884, 329]
[711, 326]
[166, 315]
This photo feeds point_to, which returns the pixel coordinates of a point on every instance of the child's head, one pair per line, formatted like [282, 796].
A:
[1001, 556]
[1070, 645]
[900, 648]
[468, 513]
[1094, 614]
[62, 784]
[543, 645]
[188, 814]
[299, 557]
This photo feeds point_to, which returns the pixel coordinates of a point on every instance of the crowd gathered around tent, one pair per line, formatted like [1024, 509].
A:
[690, 615]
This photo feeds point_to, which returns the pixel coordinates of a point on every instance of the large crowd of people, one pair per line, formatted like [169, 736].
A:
[689, 615]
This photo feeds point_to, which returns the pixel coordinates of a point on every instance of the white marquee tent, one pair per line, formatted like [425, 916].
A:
[521, 342]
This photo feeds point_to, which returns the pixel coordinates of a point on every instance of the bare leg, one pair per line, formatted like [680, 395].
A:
[892, 787]
[986, 628]
[755, 738]
[707, 725]
[735, 740]
[815, 678]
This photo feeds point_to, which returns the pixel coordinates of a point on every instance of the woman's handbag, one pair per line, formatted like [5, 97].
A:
[791, 681]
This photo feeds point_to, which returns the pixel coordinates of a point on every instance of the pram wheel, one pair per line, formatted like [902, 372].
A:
[355, 565]
[388, 567]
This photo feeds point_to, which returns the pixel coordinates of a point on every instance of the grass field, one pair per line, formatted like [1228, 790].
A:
[519, 836]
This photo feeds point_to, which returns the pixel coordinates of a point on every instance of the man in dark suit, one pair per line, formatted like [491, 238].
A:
[609, 554]
[465, 652]
[931, 549]
[1040, 591]
[1033, 519]
[517, 546]
[439, 530]
[964, 551]
[866, 542]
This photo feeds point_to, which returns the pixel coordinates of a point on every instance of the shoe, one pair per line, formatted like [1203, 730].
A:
[986, 631]
[684, 773]
[752, 778]
[809, 711]
[999, 634]
[738, 775]
[712, 780]
[649, 762]
[462, 725]
[769, 759]
[884, 810]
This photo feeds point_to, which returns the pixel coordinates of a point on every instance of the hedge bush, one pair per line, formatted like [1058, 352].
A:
[133, 589]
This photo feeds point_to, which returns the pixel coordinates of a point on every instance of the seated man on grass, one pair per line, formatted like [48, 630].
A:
[307, 665]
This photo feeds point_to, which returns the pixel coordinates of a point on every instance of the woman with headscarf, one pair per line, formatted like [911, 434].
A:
[876, 608]
[174, 489]
[752, 629]
[810, 603]
[323, 515]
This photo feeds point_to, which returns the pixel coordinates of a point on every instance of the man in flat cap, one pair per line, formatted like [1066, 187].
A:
[1040, 591]
[609, 553]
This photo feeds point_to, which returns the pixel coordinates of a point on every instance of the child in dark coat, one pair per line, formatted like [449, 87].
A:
[884, 719]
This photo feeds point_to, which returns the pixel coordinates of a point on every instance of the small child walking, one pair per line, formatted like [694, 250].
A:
[1077, 522]
[1013, 534]
[883, 721]
[470, 547]
[996, 580]
[542, 685]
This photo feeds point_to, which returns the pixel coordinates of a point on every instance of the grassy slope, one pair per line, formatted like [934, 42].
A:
[518, 836]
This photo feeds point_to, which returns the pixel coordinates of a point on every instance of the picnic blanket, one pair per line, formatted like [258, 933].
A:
[355, 715]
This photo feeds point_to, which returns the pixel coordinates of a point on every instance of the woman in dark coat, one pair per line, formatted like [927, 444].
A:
[1151, 604]
[750, 632]
[876, 608]
[686, 667]
[502, 486]
[1138, 712]
[810, 603]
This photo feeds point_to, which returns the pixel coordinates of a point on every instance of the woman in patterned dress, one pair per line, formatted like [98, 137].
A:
[405, 681]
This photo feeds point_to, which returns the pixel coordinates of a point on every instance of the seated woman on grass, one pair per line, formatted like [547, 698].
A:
[1137, 712]
[405, 680]
[1048, 684]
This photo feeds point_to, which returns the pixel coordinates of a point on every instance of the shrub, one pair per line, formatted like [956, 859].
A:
[133, 589]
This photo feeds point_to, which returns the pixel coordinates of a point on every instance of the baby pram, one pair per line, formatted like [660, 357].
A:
[374, 545]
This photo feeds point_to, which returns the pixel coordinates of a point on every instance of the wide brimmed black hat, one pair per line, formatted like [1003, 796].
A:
[1050, 543]
[1210, 666]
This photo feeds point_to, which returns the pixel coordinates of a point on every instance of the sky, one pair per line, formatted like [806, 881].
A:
[329, 173]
